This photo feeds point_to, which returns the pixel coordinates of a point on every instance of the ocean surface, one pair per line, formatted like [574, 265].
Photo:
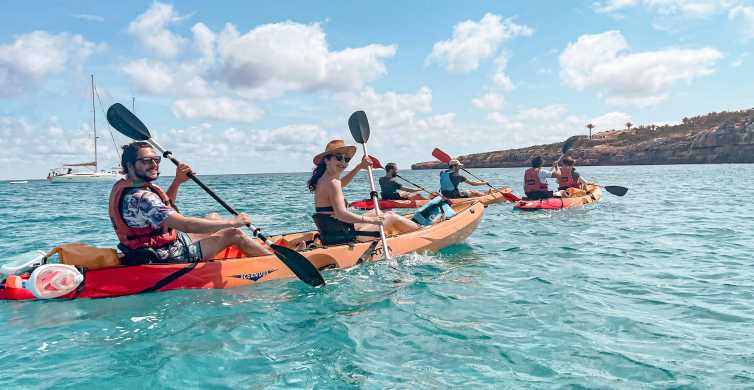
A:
[653, 290]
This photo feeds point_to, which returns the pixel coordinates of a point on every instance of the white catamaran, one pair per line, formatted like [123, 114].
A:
[68, 174]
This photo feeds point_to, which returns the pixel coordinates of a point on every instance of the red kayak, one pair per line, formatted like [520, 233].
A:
[386, 204]
[502, 194]
[577, 198]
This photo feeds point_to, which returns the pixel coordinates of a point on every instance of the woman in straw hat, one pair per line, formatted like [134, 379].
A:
[336, 224]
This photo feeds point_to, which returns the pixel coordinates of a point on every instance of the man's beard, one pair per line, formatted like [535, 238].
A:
[145, 178]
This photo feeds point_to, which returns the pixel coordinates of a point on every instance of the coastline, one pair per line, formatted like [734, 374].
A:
[715, 138]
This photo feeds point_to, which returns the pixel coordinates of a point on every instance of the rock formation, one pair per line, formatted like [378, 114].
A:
[725, 137]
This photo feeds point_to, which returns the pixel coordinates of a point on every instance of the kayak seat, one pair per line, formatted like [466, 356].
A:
[139, 256]
[433, 211]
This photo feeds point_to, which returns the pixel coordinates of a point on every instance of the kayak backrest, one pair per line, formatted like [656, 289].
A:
[433, 211]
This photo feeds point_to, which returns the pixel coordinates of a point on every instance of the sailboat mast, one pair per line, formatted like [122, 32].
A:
[94, 126]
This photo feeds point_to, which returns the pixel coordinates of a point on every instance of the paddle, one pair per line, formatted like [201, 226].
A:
[615, 190]
[359, 126]
[568, 144]
[445, 158]
[377, 164]
[129, 125]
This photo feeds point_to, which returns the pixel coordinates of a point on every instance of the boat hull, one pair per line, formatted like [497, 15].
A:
[84, 178]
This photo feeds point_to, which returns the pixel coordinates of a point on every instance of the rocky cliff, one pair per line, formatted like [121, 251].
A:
[725, 137]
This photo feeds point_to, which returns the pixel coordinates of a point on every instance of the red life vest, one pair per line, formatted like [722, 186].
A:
[144, 237]
[532, 182]
[565, 179]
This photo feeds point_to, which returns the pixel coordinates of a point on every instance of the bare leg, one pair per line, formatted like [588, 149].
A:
[473, 193]
[393, 221]
[232, 236]
[399, 223]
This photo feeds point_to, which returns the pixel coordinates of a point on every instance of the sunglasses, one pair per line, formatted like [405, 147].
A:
[341, 157]
[146, 160]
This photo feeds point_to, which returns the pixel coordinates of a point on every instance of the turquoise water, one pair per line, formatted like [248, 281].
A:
[652, 290]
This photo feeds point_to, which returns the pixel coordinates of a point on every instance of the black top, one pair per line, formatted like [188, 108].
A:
[327, 209]
[389, 188]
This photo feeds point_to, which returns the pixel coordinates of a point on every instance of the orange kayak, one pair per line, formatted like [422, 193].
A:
[502, 194]
[576, 198]
[230, 270]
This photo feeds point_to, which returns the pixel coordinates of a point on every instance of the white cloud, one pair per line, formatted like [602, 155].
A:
[744, 17]
[150, 76]
[682, 8]
[51, 143]
[501, 78]
[390, 110]
[643, 79]
[613, 5]
[230, 70]
[275, 58]
[490, 101]
[443, 122]
[165, 79]
[302, 139]
[610, 121]
[220, 108]
[549, 113]
[537, 125]
[204, 41]
[89, 18]
[32, 58]
[231, 144]
[474, 41]
[150, 29]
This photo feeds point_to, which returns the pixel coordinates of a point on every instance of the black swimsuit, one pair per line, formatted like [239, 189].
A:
[333, 231]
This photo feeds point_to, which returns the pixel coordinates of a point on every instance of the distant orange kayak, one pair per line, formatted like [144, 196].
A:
[501, 195]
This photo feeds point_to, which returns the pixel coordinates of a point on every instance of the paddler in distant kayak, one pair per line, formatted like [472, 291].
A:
[450, 179]
[391, 189]
[149, 227]
[335, 223]
[567, 175]
[535, 180]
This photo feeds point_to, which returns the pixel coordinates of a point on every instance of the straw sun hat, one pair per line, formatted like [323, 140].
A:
[336, 146]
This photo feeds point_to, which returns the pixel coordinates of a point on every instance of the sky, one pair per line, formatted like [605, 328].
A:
[254, 87]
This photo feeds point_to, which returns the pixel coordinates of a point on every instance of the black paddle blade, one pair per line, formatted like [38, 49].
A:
[616, 190]
[300, 266]
[359, 126]
[127, 123]
[568, 144]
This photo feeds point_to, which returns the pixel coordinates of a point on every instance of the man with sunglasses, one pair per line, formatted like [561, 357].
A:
[149, 227]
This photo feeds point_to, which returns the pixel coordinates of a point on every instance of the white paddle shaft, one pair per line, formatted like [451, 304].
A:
[376, 204]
